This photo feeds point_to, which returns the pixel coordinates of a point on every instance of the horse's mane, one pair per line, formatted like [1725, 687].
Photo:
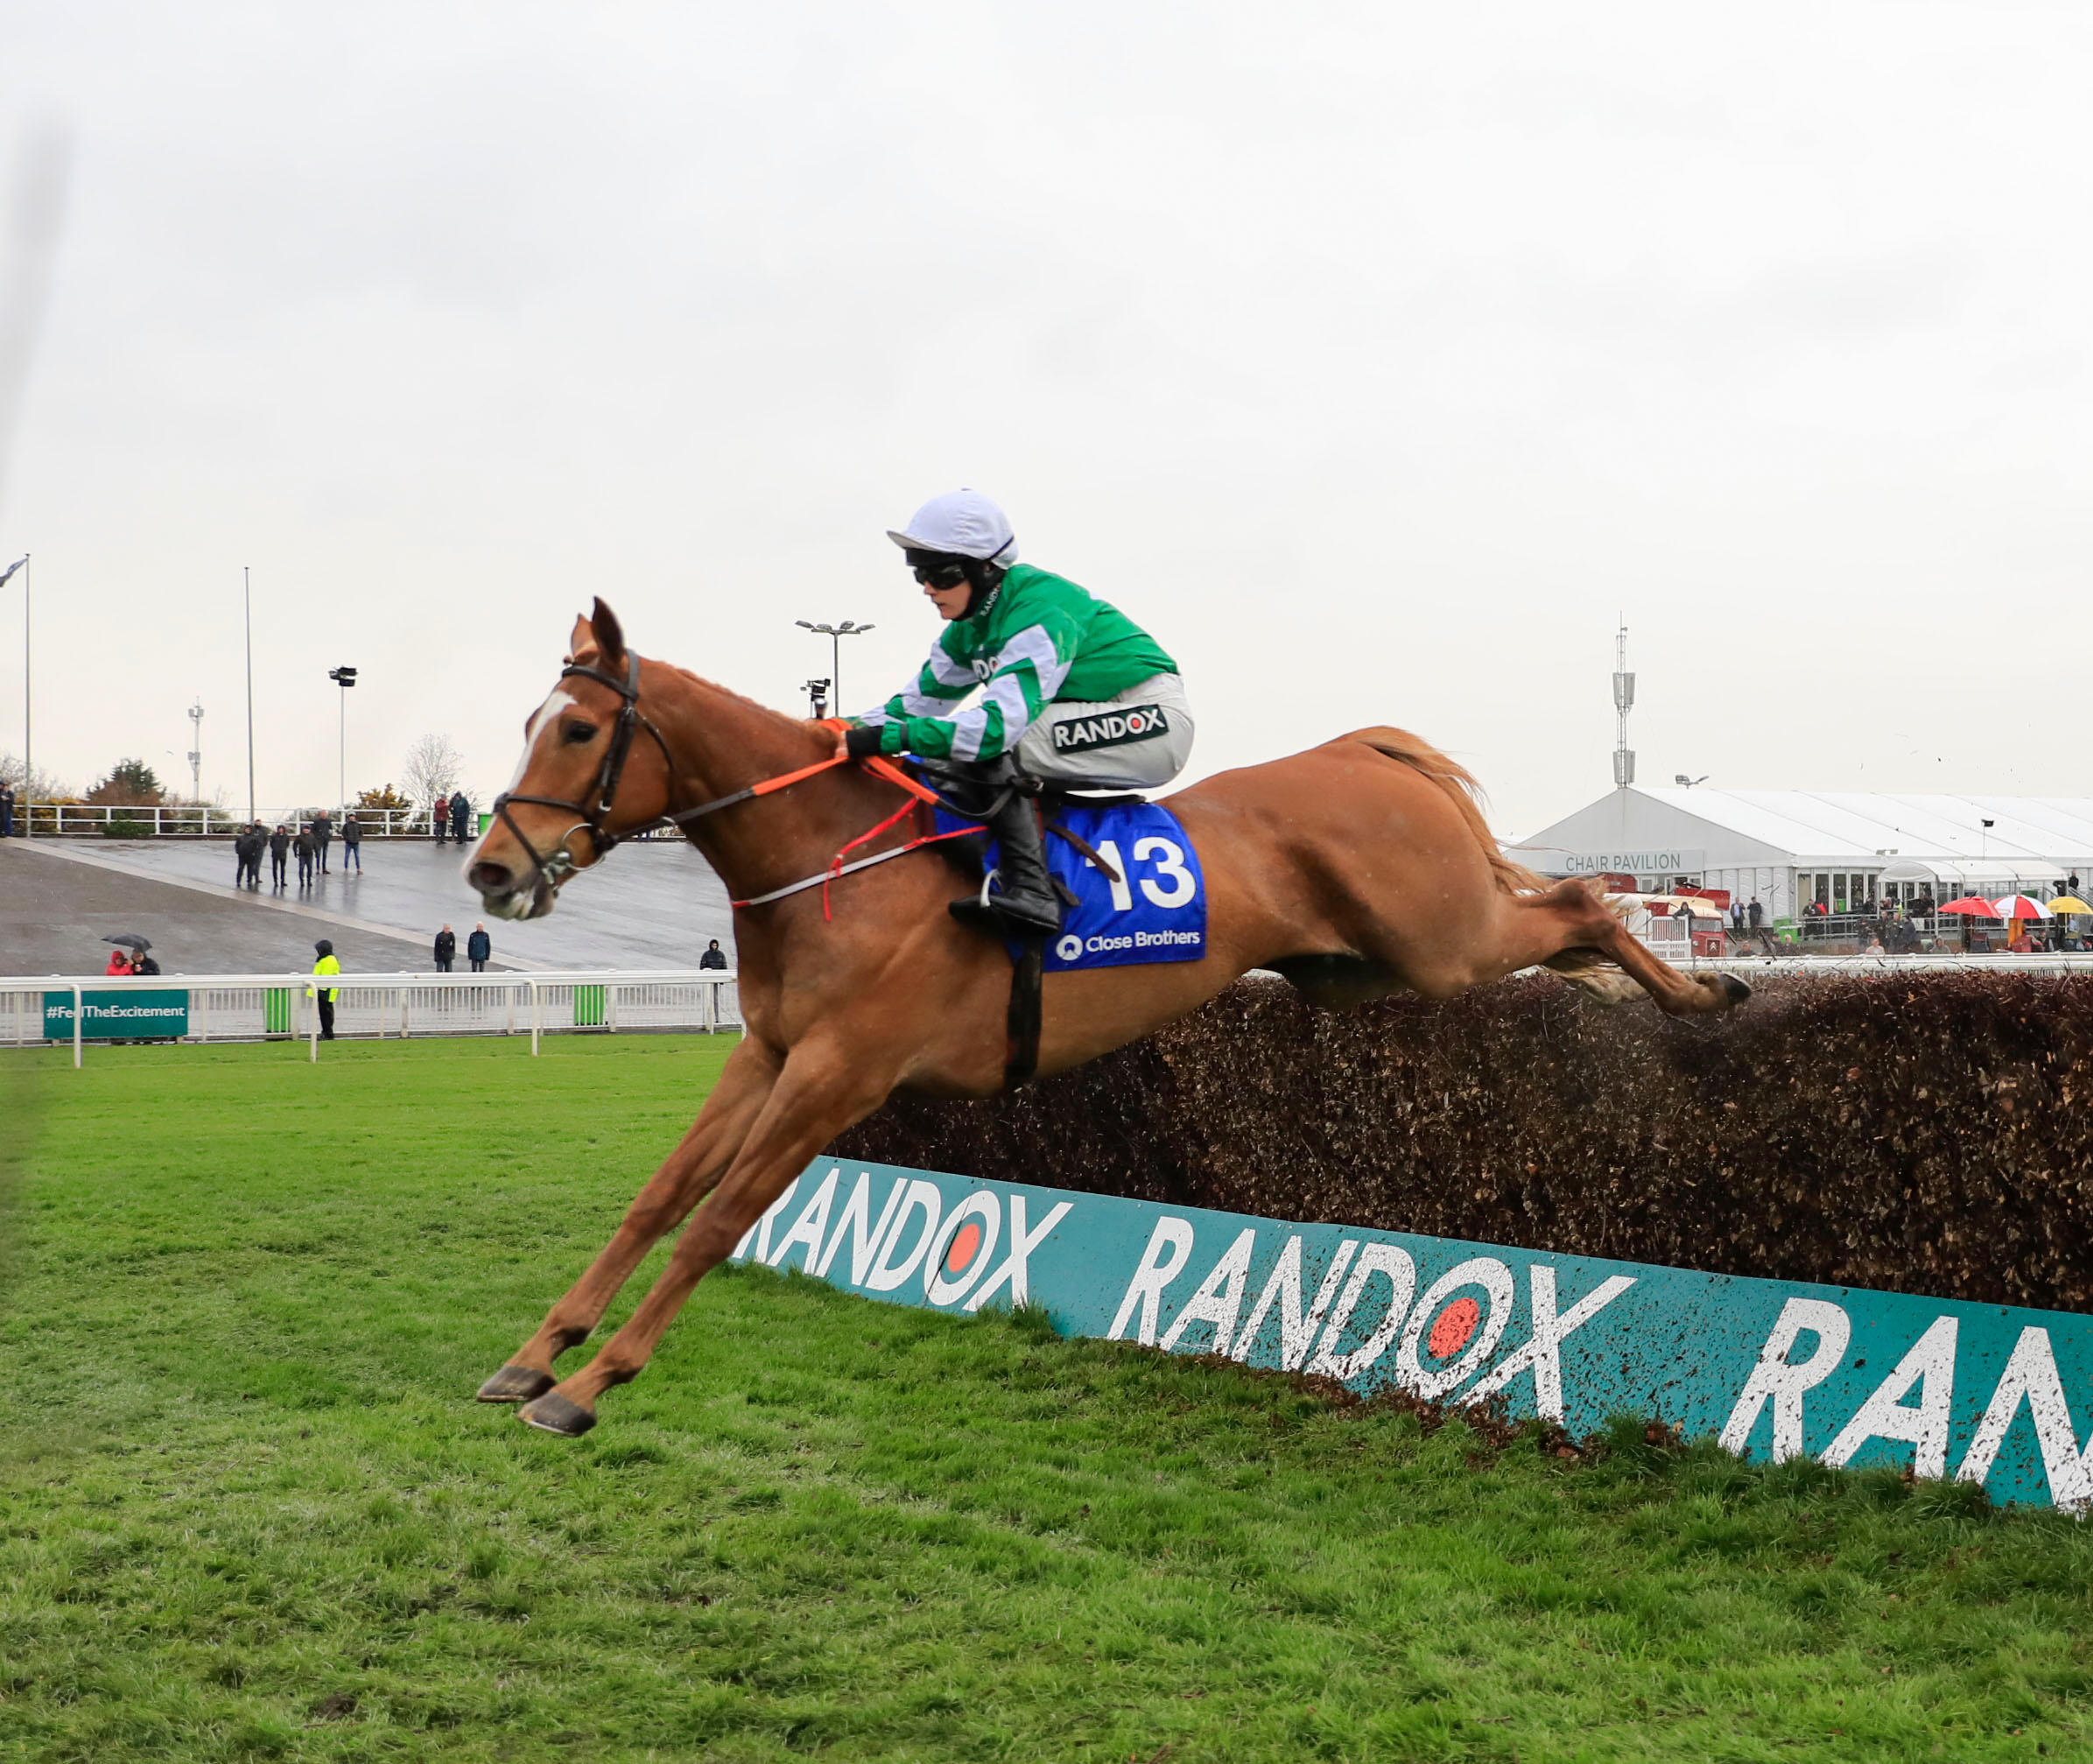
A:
[783, 719]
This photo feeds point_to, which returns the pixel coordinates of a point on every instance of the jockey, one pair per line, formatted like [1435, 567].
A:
[1065, 690]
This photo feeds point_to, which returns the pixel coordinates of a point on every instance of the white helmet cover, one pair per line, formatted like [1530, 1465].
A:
[963, 523]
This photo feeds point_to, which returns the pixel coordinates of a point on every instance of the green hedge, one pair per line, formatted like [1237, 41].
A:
[1927, 1133]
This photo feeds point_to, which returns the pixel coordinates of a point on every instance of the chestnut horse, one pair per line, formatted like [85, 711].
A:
[1356, 868]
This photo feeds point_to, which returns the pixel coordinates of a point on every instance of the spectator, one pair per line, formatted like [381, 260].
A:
[326, 964]
[7, 812]
[323, 830]
[279, 846]
[1737, 922]
[303, 846]
[713, 956]
[446, 949]
[352, 844]
[119, 962]
[142, 962]
[460, 810]
[1755, 913]
[247, 847]
[478, 947]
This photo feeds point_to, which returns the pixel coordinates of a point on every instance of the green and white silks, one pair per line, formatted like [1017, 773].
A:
[1039, 641]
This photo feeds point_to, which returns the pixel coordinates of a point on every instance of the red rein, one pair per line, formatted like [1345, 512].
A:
[878, 767]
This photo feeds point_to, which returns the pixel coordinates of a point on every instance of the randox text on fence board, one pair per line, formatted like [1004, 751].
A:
[1987, 1394]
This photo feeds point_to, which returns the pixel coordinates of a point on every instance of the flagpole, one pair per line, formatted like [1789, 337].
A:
[247, 611]
[29, 819]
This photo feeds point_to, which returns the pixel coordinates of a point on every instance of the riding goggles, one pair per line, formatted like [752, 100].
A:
[936, 570]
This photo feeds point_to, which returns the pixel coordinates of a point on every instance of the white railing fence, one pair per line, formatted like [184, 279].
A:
[1886, 966]
[43, 1012]
[185, 820]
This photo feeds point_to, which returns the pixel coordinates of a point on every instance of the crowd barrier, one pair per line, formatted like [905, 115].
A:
[43, 1011]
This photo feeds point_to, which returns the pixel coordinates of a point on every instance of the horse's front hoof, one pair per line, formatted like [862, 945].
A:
[1734, 989]
[553, 1413]
[516, 1384]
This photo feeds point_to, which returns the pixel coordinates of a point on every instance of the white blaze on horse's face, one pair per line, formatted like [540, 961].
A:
[522, 902]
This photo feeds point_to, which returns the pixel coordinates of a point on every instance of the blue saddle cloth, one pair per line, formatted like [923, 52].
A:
[1155, 910]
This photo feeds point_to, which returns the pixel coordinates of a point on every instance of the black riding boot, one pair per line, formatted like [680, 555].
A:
[1023, 903]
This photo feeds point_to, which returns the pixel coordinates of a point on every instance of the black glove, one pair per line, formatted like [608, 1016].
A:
[863, 741]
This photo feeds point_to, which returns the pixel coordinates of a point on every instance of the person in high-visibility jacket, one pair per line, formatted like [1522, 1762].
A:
[326, 964]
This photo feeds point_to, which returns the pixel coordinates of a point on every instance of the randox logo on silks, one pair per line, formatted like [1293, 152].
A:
[1111, 729]
[1774, 1369]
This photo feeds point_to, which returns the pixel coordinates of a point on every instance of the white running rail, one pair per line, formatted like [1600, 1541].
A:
[48, 1011]
[1886, 967]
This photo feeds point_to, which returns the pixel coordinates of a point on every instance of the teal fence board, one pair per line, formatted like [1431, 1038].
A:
[118, 1015]
[1988, 1393]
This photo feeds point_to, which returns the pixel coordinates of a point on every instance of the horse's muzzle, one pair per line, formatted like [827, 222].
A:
[506, 895]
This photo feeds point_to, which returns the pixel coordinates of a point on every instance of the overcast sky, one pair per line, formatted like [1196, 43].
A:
[1374, 357]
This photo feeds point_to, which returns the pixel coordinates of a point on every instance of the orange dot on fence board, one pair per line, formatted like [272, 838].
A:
[965, 1241]
[1452, 1327]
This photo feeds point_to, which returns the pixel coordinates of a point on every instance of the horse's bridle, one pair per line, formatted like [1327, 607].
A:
[553, 867]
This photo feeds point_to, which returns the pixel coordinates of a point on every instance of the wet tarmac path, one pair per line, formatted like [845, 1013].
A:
[651, 905]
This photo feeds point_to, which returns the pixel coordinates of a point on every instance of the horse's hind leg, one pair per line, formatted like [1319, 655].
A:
[1568, 925]
[677, 1186]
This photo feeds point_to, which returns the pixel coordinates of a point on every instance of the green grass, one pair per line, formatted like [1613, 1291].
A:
[249, 1510]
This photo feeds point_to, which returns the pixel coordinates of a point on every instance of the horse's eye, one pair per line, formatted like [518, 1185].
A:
[577, 732]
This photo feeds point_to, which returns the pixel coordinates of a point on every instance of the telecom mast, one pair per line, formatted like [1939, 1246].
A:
[1624, 701]
[196, 751]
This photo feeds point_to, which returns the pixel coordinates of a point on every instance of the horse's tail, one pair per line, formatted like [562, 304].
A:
[1461, 790]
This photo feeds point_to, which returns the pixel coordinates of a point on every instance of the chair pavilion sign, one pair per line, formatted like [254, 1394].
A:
[1677, 861]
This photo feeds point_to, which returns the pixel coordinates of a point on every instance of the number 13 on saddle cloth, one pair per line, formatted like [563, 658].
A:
[1154, 910]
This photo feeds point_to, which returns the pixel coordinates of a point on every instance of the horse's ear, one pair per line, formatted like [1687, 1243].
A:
[610, 634]
[581, 640]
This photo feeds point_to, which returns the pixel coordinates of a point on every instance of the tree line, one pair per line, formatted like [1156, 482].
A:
[432, 767]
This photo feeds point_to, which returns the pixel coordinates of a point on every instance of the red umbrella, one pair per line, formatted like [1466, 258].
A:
[2019, 906]
[1973, 904]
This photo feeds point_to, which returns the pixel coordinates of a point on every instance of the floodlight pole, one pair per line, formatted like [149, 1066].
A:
[835, 634]
[344, 678]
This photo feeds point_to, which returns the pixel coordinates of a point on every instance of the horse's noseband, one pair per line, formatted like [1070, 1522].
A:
[553, 867]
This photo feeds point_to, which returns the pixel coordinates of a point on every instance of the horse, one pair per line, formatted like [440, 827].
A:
[1356, 868]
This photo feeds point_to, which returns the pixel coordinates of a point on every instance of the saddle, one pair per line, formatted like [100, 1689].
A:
[966, 796]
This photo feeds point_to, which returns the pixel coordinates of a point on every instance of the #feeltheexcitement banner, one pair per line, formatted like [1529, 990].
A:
[1984, 1393]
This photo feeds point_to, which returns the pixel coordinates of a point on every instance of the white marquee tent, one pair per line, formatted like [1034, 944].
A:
[1786, 847]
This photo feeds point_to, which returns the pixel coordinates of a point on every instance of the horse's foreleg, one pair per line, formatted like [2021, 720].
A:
[821, 1091]
[1570, 917]
[677, 1186]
